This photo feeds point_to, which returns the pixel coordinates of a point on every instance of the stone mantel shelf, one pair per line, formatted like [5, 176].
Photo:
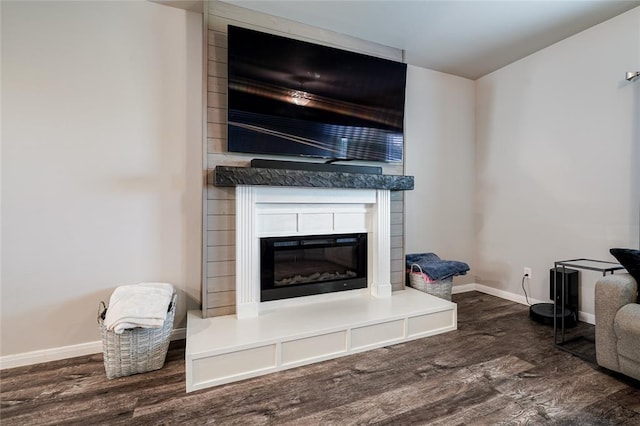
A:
[234, 176]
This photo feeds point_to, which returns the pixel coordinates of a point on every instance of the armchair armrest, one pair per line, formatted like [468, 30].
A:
[627, 326]
[612, 293]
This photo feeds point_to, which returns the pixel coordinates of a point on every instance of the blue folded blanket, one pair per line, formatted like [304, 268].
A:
[434, 267]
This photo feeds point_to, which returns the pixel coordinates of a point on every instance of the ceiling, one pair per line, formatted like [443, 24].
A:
[465, 38]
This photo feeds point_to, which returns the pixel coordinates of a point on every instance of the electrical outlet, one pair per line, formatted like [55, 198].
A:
[527, 272]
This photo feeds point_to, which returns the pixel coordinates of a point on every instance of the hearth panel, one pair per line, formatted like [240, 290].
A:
[307, 265]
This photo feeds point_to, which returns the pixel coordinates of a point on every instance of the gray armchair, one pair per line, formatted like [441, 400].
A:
[618, 324]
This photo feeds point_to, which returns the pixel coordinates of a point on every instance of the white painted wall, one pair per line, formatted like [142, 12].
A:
[557, 158]
[101, 162]
[439, 135]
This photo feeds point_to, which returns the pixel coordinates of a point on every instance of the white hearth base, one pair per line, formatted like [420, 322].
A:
[227, 349]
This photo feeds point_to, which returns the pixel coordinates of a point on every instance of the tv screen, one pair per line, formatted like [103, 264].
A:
[289, 97]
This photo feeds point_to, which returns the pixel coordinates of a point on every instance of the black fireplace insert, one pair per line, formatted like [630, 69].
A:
[297, 266]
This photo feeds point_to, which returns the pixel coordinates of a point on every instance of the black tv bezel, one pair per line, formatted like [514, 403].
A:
[390, 153]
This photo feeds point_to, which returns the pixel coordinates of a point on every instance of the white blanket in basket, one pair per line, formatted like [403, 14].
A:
[138, 305]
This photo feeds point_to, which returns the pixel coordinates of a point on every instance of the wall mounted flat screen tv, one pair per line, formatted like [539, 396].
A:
[293, 98]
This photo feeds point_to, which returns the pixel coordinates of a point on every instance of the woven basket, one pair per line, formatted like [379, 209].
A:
[136, 350]
[438, 288]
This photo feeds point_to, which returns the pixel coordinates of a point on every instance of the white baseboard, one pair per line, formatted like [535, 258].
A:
[64, 352]
[582, 316]
[521, 299]
[463, 288]
[46, 355]
[55, 354]
[585, 317]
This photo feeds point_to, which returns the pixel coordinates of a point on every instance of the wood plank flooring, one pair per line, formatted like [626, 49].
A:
[499, 367]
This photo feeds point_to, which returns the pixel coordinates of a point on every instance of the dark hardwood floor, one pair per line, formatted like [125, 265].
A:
[499, 367]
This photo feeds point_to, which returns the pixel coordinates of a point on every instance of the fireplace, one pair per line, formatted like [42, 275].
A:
[296, 266]
[264, 212]
[274, 335]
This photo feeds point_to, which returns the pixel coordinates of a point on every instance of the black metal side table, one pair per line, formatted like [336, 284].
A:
[589, 264]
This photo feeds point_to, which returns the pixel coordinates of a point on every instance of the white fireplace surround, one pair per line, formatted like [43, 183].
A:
[263, 211]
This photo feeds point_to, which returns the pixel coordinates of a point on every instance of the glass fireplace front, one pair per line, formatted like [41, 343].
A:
[306, 265]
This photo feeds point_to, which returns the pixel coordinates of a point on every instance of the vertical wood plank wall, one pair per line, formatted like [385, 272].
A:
[219, 245]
